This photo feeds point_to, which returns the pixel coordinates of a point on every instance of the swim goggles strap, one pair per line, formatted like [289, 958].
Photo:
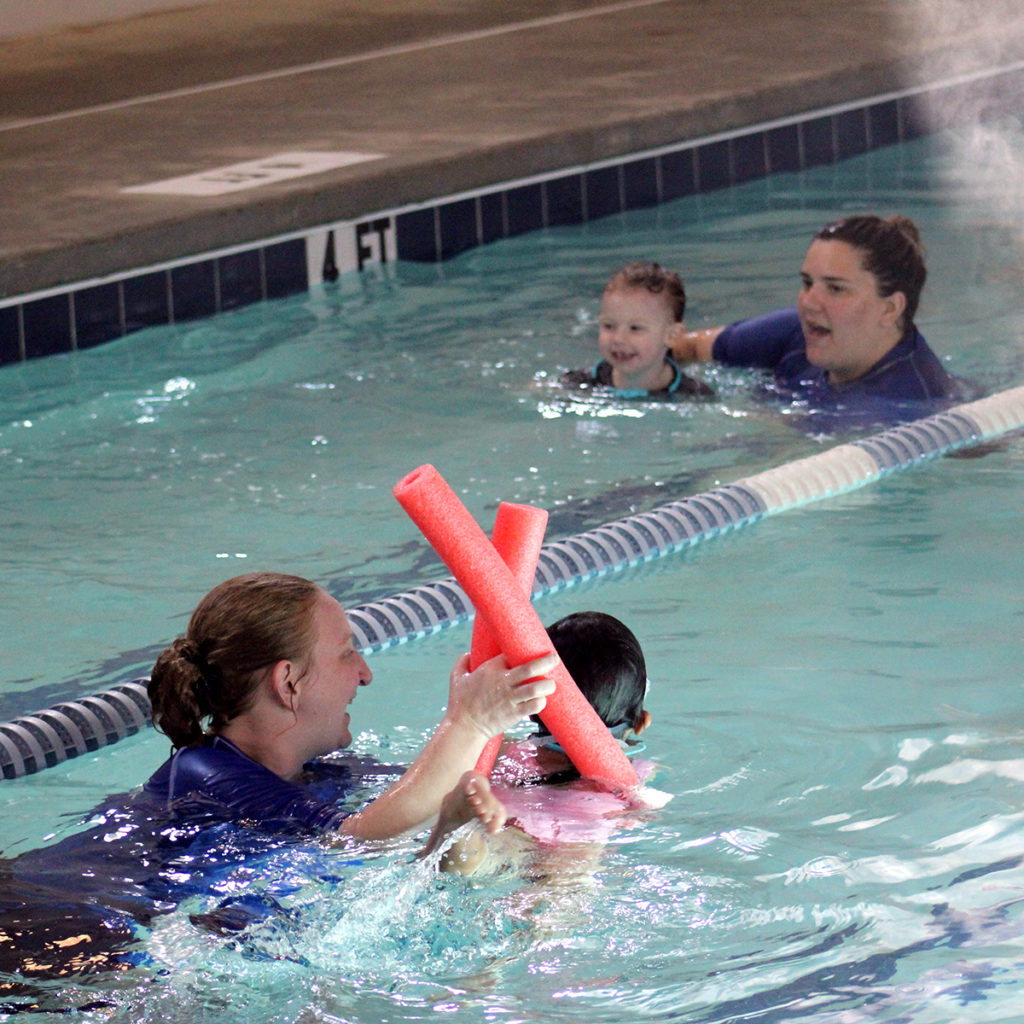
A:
[632, 747]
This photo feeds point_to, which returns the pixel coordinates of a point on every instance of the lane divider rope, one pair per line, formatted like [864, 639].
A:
[33, 742]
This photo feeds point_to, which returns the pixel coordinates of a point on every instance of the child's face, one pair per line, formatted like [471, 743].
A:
[632, 335]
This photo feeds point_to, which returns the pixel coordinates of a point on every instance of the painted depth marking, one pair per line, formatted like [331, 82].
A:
[252, 174]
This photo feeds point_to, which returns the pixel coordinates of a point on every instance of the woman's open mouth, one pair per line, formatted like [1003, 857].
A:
[815, 330]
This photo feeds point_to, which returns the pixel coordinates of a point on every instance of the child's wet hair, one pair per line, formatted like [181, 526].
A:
[653, 277]
[605, 661]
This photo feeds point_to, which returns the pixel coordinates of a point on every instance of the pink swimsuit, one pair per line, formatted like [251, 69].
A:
[574, 812]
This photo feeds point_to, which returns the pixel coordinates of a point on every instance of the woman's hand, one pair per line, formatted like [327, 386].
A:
[494, 697]
[692, 346]
[481, 704]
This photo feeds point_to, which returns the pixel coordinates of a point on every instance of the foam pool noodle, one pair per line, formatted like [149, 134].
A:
[517, 537]
[512, 620]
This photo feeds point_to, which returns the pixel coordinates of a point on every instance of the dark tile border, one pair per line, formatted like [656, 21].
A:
[92, 313]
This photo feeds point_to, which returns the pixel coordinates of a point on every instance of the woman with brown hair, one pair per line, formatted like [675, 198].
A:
[260, 684]
[850, 345]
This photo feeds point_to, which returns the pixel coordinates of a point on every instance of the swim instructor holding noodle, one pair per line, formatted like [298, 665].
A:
[260, 684]
[269, 661]
[850, 345]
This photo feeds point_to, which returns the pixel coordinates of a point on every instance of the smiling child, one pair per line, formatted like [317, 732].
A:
[640, 307]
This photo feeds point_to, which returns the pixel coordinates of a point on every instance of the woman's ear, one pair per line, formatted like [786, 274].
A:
[282, 683]
[895, 306]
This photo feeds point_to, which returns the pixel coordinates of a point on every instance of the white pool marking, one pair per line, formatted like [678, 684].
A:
[252, 173]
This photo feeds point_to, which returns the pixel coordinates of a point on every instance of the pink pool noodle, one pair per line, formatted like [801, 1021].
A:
[517, 537]
[510, 616]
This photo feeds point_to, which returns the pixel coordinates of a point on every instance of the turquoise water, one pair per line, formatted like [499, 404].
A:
[836, 690]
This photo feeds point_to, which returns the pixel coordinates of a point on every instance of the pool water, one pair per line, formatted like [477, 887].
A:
[836, 690]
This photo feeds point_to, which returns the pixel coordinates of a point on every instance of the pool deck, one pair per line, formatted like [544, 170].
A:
[450, 96]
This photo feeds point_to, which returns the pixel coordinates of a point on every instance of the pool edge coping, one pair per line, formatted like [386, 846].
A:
[85, 313]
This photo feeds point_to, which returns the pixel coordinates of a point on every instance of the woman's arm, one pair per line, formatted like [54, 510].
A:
[481, 704]
[693, 346]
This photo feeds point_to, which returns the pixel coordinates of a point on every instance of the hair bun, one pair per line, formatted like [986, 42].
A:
[905, 226]
[188, 650]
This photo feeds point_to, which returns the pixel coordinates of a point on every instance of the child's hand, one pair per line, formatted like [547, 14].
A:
[478, 801]
[495, 697]
[471, 799]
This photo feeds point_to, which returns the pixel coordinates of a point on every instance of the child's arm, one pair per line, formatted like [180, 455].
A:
[479, 849]
[472, 799]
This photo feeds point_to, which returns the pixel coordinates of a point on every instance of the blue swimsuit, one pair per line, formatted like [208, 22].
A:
[219, 777]
[906, 383]
[184, 834]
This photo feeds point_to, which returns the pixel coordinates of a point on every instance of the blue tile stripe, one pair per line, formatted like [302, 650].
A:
[90, 313]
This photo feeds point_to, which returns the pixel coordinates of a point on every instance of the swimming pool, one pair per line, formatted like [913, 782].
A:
[834, 689]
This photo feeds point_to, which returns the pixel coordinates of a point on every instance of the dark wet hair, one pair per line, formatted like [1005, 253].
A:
[655, 279]
[891, 252]
[239, 629]
[606, 663]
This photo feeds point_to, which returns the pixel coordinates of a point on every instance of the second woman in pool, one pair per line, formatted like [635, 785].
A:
[850, 346]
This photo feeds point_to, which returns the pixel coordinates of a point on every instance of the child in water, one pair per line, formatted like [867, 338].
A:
[641, 306]
[536, 788]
